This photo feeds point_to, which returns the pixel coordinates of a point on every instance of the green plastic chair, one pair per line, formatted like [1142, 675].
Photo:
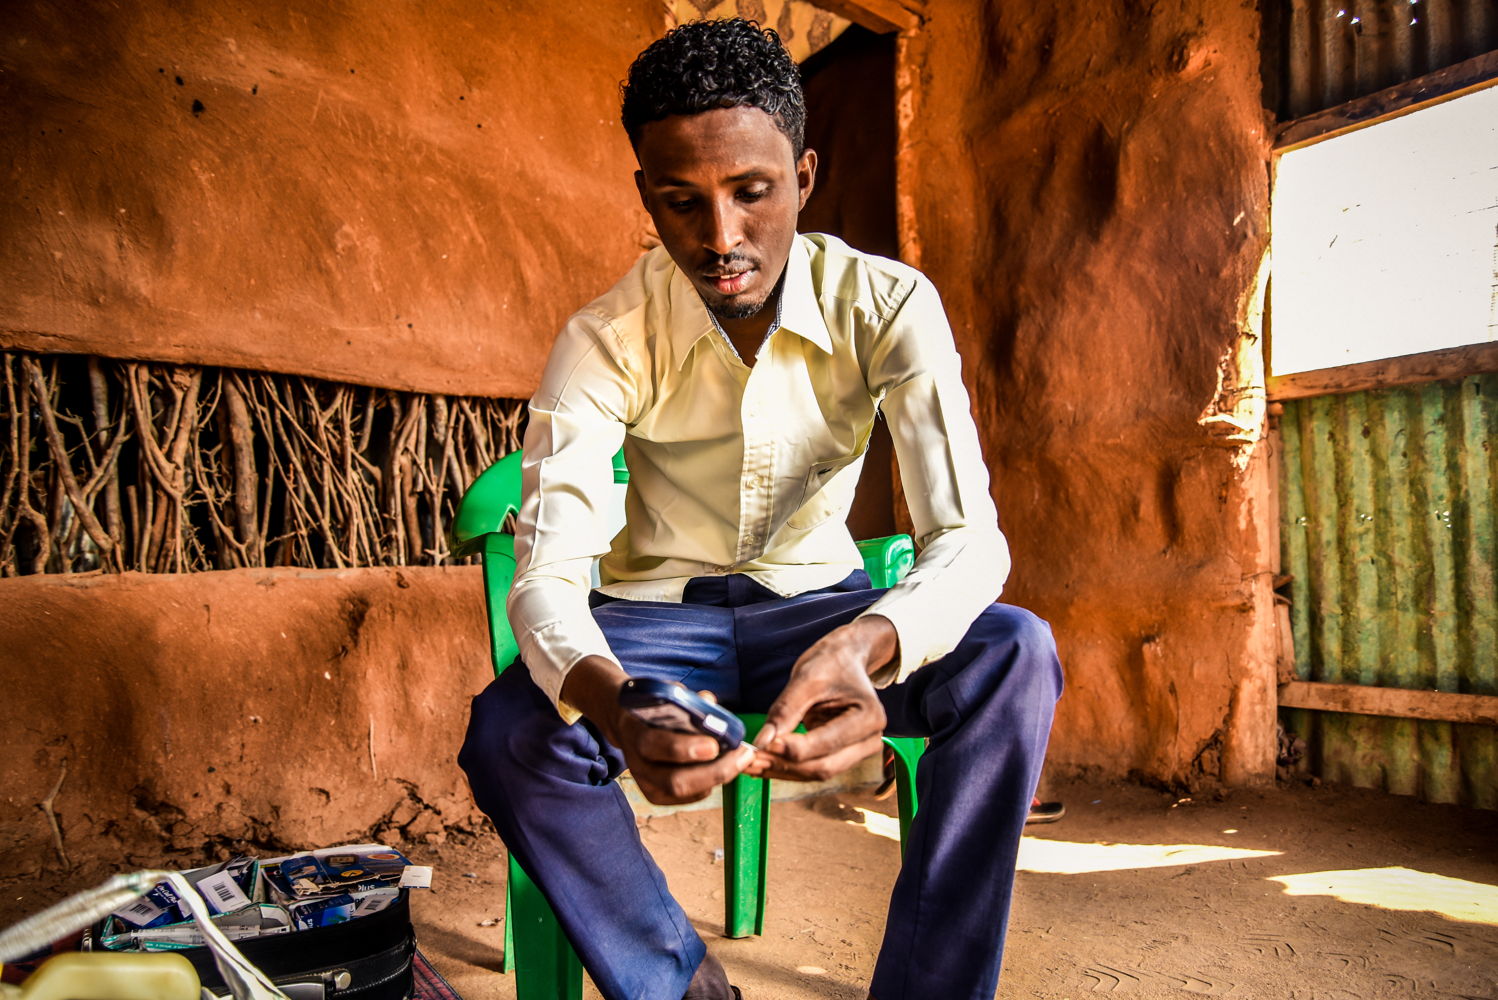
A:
[545, 965]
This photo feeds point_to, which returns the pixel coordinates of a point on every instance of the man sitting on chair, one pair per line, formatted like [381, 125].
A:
[742, 366]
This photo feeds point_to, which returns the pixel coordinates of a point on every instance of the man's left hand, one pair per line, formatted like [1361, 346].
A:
[830, 693]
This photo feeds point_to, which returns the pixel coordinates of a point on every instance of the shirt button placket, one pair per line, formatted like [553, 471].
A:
[759, 449]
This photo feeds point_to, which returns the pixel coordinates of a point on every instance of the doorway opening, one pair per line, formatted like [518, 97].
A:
[850, 122]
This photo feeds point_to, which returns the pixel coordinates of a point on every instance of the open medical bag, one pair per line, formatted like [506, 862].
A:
[334, 923]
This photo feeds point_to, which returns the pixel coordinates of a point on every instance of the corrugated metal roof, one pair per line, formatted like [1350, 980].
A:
[1320, 53]
[1388, 530]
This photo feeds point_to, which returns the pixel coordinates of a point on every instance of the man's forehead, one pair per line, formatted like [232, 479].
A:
[729, 143]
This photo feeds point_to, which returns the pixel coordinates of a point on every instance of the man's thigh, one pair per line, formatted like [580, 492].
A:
[513, 719]
[690, 643]
[743, 653]
[773, 634]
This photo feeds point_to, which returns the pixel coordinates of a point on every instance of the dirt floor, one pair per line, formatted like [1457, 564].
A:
[1301, 893]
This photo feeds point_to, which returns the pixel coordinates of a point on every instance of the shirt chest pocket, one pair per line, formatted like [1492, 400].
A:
[826, 490]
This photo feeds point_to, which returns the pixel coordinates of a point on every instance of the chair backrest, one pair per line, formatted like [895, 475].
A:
[479, 528]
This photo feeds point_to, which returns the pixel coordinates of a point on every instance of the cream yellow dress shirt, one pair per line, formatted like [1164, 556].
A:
[739, 469]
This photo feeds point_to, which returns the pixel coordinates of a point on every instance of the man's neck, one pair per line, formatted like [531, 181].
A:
[748, 335]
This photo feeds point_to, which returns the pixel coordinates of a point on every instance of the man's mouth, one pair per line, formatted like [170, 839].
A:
[729, 282]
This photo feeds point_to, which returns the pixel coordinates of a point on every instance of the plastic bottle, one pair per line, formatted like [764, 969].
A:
[104, 975]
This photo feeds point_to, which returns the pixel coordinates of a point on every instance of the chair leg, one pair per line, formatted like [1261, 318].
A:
[746, 839]
[908, 750]
[746, 846]
[546, 967]
[507, 960]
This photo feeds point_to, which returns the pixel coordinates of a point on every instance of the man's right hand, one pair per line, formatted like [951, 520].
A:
[669, 767]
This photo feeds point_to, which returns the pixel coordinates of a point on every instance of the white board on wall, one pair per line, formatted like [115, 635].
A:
[1385, 239]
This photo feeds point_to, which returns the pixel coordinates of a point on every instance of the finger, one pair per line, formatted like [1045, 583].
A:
[679, 784]
[822, 768]
[788, 710]
[709, 696]
[855, 724]
[667, 746]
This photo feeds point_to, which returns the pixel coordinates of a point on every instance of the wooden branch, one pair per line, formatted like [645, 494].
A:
[408, 527]
[156, 459]
[10, 521]
[106, 469]
[1399, 703]
[242, 445]
[1400, 99]
[132, 504]
[99, 395]
[232, 552]
[61, 460]
[20, 425]
[352, 476]
[48, 806]
[880, 16]
[1409, 369]
[188, 382]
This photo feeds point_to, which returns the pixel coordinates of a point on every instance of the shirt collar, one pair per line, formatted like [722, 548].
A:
[798, 310]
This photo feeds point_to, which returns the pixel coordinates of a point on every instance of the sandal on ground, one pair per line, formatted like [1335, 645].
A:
[1045, 812]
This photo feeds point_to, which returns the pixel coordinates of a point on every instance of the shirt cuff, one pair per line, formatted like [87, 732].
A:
[549, 654]
[915, 648]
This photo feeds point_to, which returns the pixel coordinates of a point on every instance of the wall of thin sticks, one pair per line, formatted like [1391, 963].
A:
[122, 465]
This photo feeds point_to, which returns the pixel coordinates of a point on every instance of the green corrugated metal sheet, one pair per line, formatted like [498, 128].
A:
[1387, 528]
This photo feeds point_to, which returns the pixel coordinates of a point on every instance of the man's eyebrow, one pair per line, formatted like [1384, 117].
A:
[754, 173]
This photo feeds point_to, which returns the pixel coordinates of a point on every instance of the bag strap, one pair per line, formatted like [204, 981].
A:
[244, 980]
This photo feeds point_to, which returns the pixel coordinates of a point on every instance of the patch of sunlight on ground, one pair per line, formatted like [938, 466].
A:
[1064, 857]
[877, 823]
[1401, 889]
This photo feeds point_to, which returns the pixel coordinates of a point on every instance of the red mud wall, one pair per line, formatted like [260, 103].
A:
[1087, 183]
[406, 195]
[410, 195]
[281, 707]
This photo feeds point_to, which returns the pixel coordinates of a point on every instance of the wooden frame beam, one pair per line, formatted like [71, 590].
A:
[1400, 99]
[1386, 373]
[881, 16]
[1397, 703]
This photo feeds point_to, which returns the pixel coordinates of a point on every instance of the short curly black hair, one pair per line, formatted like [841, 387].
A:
[701, 65]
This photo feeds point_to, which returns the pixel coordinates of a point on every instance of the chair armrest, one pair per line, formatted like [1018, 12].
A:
[492, 498]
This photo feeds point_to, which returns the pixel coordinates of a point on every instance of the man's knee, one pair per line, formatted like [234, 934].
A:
[513, 728]
[1017, 648]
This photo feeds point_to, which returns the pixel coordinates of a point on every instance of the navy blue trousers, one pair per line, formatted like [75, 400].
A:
[986, 708]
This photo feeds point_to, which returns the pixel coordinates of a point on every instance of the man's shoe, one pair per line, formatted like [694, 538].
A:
[1045, 812]
[710, 982]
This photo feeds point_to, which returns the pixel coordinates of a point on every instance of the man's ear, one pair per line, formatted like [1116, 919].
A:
[806, 175]
[640, 187]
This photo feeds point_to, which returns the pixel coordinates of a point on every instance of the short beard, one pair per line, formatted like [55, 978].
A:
[748, 310]
[743, 311]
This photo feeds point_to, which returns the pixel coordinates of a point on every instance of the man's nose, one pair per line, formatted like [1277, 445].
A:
[723, 228]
